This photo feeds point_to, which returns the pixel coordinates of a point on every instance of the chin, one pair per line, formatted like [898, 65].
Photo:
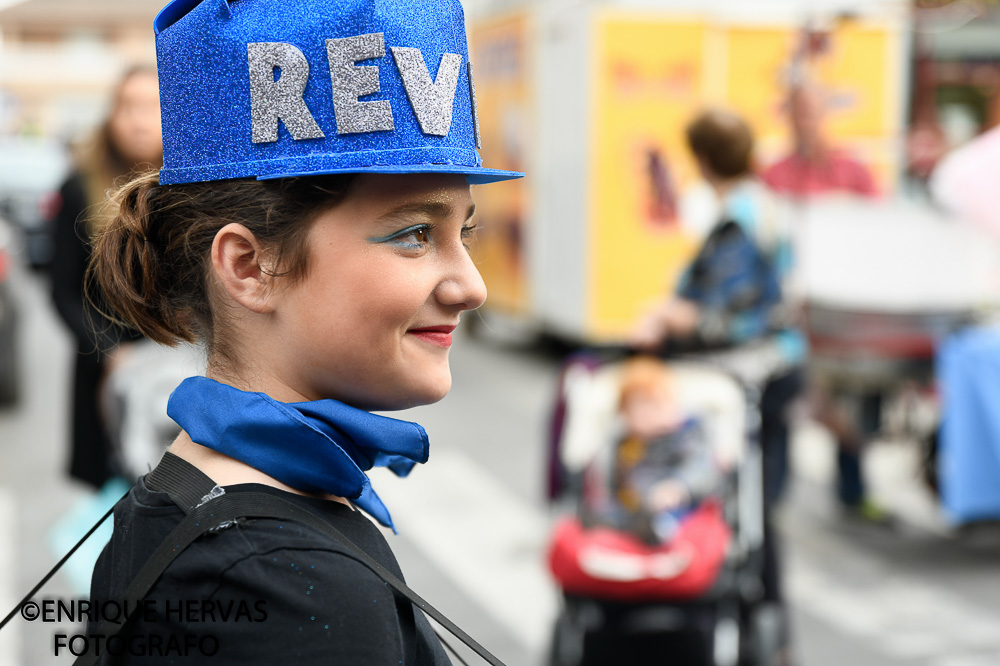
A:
[438, 395]
[414, 395]
[430, 394]
[427, 393]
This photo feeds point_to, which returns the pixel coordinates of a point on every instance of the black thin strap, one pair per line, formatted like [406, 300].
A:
[449, 648]
[185, 479]
[58, 566]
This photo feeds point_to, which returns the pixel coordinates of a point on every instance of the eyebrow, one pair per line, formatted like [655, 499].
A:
[434, 209]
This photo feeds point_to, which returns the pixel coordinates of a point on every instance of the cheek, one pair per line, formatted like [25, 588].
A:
[368, 298]
[117, 129]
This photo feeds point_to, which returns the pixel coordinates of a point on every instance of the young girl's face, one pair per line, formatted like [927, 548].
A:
[389, 274]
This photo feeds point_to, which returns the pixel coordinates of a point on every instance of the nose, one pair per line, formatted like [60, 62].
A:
[463, 287]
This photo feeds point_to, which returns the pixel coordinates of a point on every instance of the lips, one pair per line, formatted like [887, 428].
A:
[439, 336]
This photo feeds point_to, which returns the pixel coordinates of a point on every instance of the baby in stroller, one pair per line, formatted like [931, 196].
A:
[662, 553]
[662, 467]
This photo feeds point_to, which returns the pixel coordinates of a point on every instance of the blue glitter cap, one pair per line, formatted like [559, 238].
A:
[281, 88]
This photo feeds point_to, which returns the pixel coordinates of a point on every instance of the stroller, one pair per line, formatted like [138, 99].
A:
[695, 599]
[134, 402]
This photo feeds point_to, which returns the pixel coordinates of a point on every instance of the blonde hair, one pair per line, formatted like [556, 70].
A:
[644, 376]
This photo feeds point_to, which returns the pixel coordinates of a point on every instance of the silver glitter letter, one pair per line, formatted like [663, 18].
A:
[475, 108]
[272, 100]
[351, 82]
[432, 101]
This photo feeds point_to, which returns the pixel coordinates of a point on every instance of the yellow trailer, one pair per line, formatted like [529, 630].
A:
[592, 103]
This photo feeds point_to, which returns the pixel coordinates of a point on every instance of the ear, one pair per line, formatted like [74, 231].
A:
[237, 257]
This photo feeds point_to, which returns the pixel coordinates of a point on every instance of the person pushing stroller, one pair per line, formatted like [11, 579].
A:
[732, 298]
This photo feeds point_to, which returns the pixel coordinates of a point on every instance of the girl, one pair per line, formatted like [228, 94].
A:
[316, 243]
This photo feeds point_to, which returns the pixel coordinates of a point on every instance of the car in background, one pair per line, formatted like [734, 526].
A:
[9, 371]
[31, 171]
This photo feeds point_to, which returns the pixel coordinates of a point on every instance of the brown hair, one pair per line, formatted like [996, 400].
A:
[151, 260]
[100, 161]
[723, 140]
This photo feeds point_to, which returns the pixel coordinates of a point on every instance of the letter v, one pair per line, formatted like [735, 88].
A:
[432, 101]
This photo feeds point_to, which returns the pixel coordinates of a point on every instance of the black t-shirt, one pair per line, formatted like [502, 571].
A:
[260, 591]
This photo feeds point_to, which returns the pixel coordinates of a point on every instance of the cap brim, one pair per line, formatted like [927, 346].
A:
[475, 175]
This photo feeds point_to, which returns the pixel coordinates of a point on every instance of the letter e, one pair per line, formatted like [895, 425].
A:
[351, 82]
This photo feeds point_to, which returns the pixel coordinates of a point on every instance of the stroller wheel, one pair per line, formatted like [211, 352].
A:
[726, 639]
[567, 642]
[769, 636]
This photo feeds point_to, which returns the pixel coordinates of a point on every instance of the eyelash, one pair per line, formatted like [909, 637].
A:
[468, 232]
[424, 229]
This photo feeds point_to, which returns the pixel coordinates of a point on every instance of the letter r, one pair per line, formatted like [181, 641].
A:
[272, 100]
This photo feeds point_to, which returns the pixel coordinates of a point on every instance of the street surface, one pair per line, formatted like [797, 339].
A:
[473, 524]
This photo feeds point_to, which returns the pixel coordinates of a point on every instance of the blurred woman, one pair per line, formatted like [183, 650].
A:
[127, 143]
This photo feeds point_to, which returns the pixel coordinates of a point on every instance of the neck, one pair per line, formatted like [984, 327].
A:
[253, 380]
[810, 149]
[723, 186]
[227, 471]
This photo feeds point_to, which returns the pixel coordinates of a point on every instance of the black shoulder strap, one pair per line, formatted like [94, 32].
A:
[207, 510]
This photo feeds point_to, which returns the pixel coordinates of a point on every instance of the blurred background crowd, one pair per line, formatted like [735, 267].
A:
[860, 136]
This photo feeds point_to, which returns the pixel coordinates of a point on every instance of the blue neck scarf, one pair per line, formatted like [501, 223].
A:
[323, 446]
